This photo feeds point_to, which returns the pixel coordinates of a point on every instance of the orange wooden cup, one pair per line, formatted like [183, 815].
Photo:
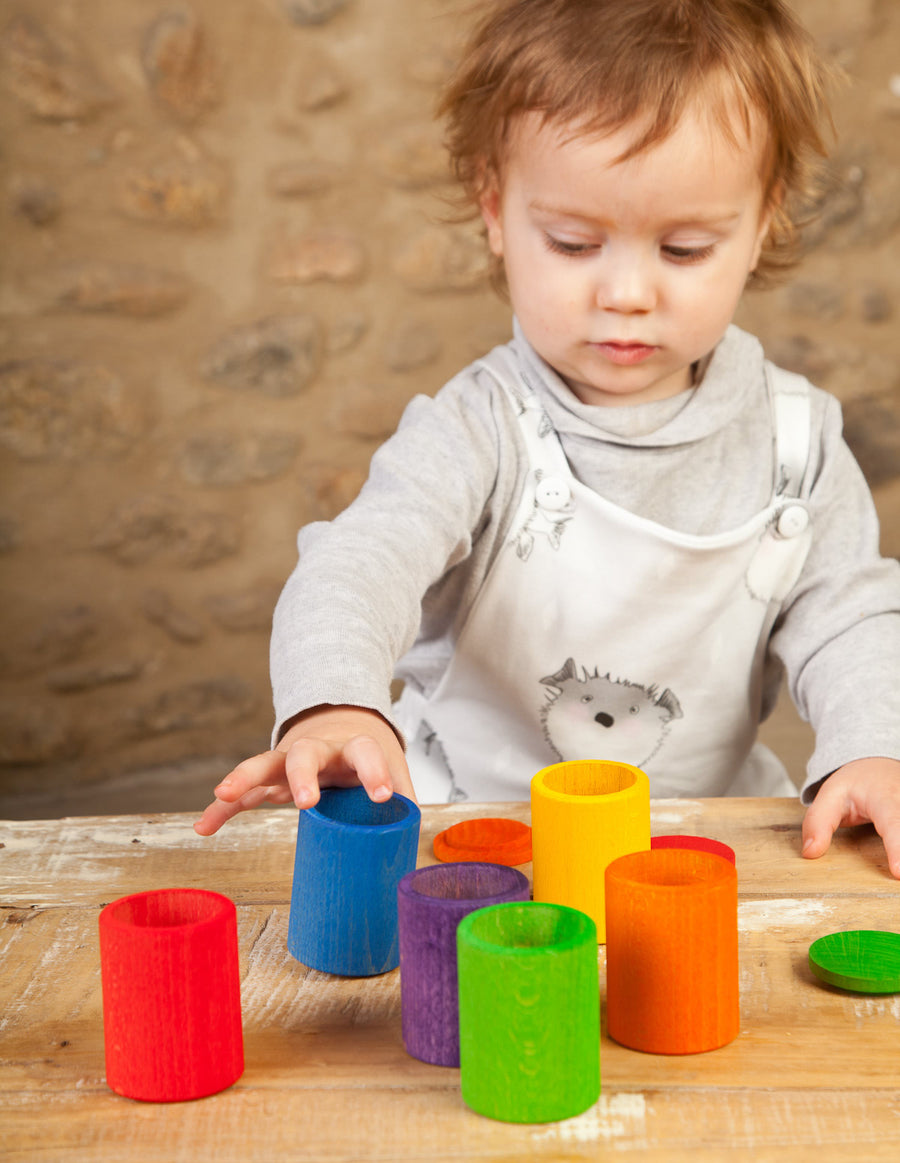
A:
[490, 839]
[672, 951]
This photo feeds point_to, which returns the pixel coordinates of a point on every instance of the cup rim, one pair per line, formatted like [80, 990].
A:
[714, 870]
[584, 931]
[224, 907]
[408, 886]
[411, 814]
[639, 783]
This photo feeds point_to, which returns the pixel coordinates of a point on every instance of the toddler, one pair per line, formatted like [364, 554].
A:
[613, 536]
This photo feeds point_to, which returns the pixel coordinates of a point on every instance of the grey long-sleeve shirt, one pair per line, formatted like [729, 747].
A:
[385, 588]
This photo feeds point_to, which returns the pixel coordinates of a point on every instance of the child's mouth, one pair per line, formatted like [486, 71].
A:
[625, 354]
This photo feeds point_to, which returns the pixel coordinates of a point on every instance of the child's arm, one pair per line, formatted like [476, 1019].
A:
[864, 791]
[324, 747]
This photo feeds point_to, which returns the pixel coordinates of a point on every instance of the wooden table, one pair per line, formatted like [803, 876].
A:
[814, 1074]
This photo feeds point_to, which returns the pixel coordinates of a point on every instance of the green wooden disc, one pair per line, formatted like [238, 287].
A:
[864, 960]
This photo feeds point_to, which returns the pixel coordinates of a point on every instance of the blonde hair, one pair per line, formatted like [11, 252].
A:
[599, 65]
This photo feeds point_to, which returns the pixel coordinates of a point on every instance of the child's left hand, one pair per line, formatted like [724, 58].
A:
[861, 792]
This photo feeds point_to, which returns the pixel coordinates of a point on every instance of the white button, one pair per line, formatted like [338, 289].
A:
[792, 521]
[552, 493]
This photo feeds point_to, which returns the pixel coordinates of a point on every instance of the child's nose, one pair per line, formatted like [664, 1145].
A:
[626, 285]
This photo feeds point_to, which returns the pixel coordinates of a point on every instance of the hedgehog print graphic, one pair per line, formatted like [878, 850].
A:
[594, 716]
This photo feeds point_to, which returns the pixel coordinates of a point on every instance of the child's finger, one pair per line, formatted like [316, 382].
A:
[219, 811]
[823, 818]
[887, 825]
[303, 761]
[264, 769]
[367, 758]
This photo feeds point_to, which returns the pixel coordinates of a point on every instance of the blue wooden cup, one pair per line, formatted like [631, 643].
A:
[351, 854]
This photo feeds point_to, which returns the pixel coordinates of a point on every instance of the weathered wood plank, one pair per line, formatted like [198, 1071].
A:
[91, 859]
[393, 1124]
[813, 1073]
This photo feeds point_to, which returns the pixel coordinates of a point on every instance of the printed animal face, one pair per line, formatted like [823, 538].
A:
[598, 717]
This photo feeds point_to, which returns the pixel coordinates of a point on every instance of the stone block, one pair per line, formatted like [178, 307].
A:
[53, 82]
[221, 458]
[152, 526]
[276, 356]
[201, 704]
[32, 733]
[65, 635]
[63, 410]
[179, 65]
[115, 289]
[335, 256]
[246, 611]
[414, 344]
[174, 192]
[302, 179]
[160, 610]
[436, 259]
[35, 199]
[74, 679]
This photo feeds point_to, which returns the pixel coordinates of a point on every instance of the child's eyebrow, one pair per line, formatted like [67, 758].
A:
[711, 218]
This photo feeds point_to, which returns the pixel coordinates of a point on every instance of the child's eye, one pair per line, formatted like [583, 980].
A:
[685, 255]
[572, 249]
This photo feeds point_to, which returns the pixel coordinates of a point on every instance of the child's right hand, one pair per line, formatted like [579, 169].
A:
[329, 746]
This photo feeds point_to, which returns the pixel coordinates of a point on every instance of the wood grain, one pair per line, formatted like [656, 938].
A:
[812, 1076]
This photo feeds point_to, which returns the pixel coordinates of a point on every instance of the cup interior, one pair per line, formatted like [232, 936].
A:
[167, 908]
[672, 868]
[529, 925]
[464, 881]
[353, 806]
[588, 777]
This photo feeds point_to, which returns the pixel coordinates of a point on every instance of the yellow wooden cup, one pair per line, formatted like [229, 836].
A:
[584, 814]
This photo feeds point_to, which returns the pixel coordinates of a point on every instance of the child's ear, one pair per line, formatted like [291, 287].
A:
[489, 203]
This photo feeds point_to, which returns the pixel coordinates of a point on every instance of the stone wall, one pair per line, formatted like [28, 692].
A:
[227, 267]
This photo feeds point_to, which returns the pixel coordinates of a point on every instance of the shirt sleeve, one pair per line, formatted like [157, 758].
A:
[838, 636]
[353, 604]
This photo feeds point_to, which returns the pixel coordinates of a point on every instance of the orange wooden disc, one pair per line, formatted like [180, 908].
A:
[492, 840]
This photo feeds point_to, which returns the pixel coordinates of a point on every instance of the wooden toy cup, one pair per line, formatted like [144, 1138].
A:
[351, 854]
[672, 951]
[432, 901]
[585, 814]
[529, 1012]
[487, 840]
[171, 994]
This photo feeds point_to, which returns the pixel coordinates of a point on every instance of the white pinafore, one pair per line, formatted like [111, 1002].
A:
[601, 635]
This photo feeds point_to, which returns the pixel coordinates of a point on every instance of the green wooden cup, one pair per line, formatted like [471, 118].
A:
[529, 1012]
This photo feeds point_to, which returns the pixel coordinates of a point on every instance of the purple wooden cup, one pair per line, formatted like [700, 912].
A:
[431, 903]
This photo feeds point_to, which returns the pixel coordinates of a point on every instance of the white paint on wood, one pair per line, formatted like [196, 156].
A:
[613, 1116]
[784, 913]
[671, 814]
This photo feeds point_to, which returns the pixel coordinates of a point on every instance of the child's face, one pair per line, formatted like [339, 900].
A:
[623, 274]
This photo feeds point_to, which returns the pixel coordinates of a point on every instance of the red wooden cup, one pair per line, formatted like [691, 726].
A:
[171, 994]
